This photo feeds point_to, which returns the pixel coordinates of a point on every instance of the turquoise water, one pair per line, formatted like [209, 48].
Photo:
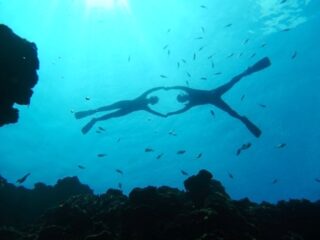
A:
[93, 53]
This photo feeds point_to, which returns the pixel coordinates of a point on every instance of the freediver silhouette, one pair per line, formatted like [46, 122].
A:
[196, 97]
[122, 108]
[192, 98]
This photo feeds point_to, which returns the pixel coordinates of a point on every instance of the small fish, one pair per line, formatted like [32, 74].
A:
[120, 185]
[178, 64]
[283, 1]
[119, 171]
[81, 167]
[180, 152]
[242, 97]
[275, 181]
[101, 129]
[238, 152]
[194, 56]
[169, 30]
[262, 105]
[253, 55]
[118, 140]
[281, 145]
[228, 25]
[159, 156]
[203, 6]
[203, 78]
[129, 58]
[168, 52]
[173, 133]
[202, 29]
[183, 60]
[230, 55]
[87, 98]
[263, 45]
[212, 64]
[246, 146]
[240, 54]
[294, 55]
[163, 76]
[199, 156]
[72, 111]
[212, 113]
[188, 74]
[198, 38]
[100, 155]
[230, 175]
[286, 30]
[187, 82]
[200, 48]
[246, 41]
[218, 73]
[165, 46]
[24, 178]
[148, 150]
[98, 131]
[211, 56]
[317, 180]
[243, 147]
[184, 173]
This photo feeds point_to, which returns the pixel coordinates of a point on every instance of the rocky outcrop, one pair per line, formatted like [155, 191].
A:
[203, 212]
[18, 73]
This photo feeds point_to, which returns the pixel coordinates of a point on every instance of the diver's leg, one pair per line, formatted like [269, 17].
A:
[113, 106]
[226, 87]
[93, 121]
[258, 66]
[225, 107]
[83, 114]
[88, 126]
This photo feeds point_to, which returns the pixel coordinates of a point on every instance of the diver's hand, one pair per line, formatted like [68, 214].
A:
[169, 114]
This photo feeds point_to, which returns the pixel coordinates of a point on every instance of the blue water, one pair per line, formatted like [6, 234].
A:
[113, 50]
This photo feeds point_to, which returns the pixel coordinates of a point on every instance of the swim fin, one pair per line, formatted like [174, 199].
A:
[260, 65]
[88, 126]
[252, 128]
[83, 114]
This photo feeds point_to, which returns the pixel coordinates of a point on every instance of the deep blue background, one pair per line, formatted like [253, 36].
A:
[84, 50]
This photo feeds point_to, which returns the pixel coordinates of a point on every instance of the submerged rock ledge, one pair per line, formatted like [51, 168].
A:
[69, 210]
[18, 73]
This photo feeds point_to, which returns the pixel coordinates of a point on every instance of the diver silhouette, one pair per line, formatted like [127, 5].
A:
[195, 97]
[122, 108]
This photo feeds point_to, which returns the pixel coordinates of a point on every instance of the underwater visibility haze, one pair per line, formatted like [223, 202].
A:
[94, 53]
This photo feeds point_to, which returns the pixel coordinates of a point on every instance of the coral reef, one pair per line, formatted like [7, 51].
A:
[203, 212]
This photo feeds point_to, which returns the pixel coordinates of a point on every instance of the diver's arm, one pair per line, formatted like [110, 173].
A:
[155, 113]
[186, 108]
[150, 91]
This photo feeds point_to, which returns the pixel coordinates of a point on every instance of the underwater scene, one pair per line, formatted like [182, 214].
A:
[205, 113]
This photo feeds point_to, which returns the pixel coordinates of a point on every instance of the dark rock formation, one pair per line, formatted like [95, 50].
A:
[203, 212]
[200, 186]
[18, 73]
[19, 205]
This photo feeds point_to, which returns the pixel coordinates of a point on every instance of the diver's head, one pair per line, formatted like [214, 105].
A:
[153, 100]
[182, 98]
